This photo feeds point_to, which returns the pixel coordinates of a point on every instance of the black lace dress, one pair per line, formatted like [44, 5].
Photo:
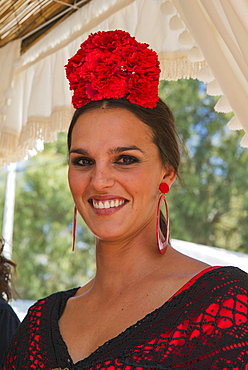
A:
[203, 326]
[9, 322]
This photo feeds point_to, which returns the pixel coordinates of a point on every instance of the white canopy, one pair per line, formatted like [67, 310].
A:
[204, 39]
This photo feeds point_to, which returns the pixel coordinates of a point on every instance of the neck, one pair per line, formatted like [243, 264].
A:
[121, 264]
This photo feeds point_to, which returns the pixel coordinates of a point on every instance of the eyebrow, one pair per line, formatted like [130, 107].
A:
[117, 150]
[121, 149]
[79, 151]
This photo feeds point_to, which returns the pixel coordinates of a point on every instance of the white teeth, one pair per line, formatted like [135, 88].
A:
[107, 204]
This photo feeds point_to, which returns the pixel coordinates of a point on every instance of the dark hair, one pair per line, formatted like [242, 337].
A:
[160, 119]
[5, 275]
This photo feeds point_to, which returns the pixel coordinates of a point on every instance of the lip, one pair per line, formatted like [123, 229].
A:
[104, 198]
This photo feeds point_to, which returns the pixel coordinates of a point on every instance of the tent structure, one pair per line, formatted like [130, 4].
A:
[203, 39]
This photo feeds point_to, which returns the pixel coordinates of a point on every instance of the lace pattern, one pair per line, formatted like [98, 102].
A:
[203, 326]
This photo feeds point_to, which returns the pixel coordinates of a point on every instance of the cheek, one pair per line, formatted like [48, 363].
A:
[70, 178]
[142, 184]
[74, 182]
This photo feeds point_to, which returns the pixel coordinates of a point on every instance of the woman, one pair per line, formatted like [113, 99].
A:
[148, 306]
[8, 319]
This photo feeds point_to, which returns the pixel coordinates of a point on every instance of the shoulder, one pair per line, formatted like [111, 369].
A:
[34, 331]
[217, 296]
[231, 283]
[227, 276]
[224, 275]
[7, 311]
[224, 286]
[4, 306]
[49, 302]
[223, 292]
[8, 319]
[216, 283]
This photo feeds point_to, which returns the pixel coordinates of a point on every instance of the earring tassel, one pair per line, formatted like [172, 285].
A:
[74, 227]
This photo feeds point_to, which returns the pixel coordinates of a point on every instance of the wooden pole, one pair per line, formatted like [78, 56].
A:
[9, 205]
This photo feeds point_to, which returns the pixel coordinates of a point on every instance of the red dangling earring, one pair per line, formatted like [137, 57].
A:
[162, 245]
[74, 227]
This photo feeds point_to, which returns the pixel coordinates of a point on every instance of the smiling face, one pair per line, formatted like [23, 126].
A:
[114, 173]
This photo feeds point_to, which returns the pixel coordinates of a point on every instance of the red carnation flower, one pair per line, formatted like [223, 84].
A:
[113, 65]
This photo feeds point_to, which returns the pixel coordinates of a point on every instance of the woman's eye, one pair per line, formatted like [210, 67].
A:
[127, 160]
[83, 161]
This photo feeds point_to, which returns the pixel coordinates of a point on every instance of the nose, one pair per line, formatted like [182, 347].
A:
[102, 177]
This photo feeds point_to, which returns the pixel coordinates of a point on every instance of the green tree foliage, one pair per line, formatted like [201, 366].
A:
[43, 224]
[209, 206]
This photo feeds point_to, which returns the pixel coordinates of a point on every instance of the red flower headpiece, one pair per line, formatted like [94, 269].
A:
[113, 65]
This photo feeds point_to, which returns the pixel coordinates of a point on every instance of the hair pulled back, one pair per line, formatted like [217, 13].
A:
[160, 119]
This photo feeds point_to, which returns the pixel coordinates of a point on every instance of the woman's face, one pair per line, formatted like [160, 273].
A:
[114, 173]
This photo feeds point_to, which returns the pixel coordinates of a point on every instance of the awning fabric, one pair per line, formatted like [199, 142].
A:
[203, 39]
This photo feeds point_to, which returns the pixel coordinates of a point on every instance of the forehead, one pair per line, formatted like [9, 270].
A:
[108, 125]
